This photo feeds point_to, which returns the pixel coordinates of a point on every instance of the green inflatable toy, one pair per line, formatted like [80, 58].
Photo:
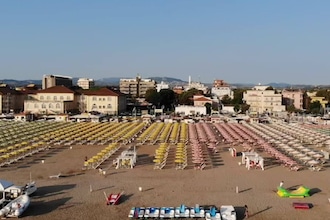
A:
[301, 192]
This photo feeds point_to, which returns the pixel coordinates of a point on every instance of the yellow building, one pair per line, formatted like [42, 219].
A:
[104, 101]
[262, 100]
[323, 101]
[53, 100]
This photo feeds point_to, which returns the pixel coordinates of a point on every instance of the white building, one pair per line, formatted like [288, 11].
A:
[196, 85]
[161, 85]
[262, 100]
[190, 110]
[85, 83]
[221, 88]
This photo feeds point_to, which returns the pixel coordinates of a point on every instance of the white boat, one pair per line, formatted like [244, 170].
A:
[16, 207]
[228, 212]
[10, 191]
[30, 188]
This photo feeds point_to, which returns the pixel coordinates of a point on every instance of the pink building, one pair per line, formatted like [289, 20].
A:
[293, 97]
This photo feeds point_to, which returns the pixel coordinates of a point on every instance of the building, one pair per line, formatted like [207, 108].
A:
[103, 100]
[161, 85]
[53, 100]
[313, 98]
[262, 100]
[220, 88]
[178, 89]
[293, 98]
[11, 100]
[200, 100]
[190, 110]
[137, 87]
[56, 80]
[196, 85]
[85, 83]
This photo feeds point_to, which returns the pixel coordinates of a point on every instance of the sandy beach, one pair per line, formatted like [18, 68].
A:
[70, 196]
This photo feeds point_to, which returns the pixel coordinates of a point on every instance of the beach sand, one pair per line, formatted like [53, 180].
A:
[69, 197]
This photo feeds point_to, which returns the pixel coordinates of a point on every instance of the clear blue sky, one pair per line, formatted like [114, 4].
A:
[245, 41]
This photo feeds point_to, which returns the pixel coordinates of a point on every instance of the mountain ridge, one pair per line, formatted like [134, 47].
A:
[170, 80]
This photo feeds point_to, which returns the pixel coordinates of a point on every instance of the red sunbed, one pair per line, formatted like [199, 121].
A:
[301, 205]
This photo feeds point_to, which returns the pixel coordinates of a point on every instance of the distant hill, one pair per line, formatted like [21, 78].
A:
[114, 81]
[15, 83]
[167, 80]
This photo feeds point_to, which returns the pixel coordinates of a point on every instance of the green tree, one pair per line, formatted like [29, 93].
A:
[291, 108]
[152, 96]
[315, 107]
[237, 107]
[226, 100]
[238, 96]
[208, 108]
[324, 93]
[186, 98]
[244, 107]
[167, 98]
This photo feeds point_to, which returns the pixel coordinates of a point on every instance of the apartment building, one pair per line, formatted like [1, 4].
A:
[162, 85]
[85, 83]
[262, 100]
[293, 97]
[137, 87]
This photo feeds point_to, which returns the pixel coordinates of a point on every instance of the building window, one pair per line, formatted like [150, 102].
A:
[36, 105]
[50, 105]
[94, 106]
[109, 98]
[43, 105]
[100, 107]
[94, 98]
[48, 97]
[55, 98]
[68, 98]
[58, 105]
[42, 97]
[109, 106]
[103, 106]
[100, 99]
[61, 98]
[103, 99]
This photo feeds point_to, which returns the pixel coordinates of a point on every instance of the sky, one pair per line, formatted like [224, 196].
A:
[254, 41]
